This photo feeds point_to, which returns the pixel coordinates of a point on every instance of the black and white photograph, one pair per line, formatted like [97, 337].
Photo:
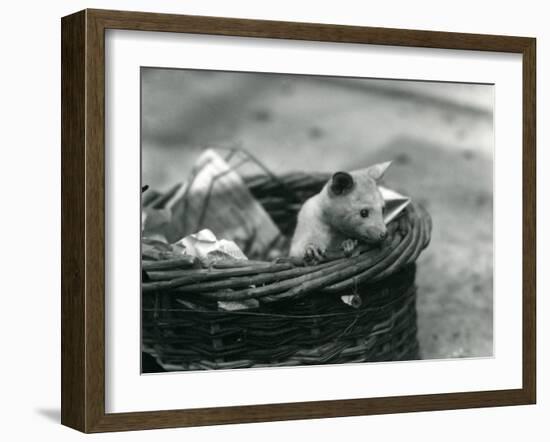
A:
[295, 220]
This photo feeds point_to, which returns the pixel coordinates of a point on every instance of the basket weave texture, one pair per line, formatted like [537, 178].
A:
[253, 313]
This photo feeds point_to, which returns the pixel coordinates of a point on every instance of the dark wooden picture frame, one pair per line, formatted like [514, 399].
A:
[83, 220]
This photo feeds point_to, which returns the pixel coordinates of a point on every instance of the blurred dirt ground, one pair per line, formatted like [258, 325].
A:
[440, 137]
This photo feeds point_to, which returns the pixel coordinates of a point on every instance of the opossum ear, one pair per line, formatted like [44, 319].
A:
[341, 183]
[377, 171]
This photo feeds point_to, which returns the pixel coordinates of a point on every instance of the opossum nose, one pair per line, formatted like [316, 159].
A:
[376, 233]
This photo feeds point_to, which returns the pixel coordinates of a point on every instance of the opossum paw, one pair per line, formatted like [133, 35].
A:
[348, 246]
[313, 254]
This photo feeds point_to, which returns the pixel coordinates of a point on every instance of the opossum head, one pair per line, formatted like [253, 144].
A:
[355, 205]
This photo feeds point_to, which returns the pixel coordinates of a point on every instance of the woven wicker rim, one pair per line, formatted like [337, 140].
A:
[285, 279]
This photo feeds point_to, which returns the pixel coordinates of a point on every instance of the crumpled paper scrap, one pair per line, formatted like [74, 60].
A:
[206, 247]
[154, 223]
[216, 197]
[395, 203]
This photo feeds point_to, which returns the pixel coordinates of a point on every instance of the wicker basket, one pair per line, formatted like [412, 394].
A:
[253, 314]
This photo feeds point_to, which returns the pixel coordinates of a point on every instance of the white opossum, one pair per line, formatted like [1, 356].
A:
[348, 210]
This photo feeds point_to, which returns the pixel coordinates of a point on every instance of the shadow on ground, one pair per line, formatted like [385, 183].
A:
[51, 414]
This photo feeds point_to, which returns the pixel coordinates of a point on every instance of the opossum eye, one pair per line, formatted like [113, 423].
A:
[364, 213]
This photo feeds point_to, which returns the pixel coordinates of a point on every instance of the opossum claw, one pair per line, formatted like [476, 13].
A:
[348, 246]
[313, 254]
